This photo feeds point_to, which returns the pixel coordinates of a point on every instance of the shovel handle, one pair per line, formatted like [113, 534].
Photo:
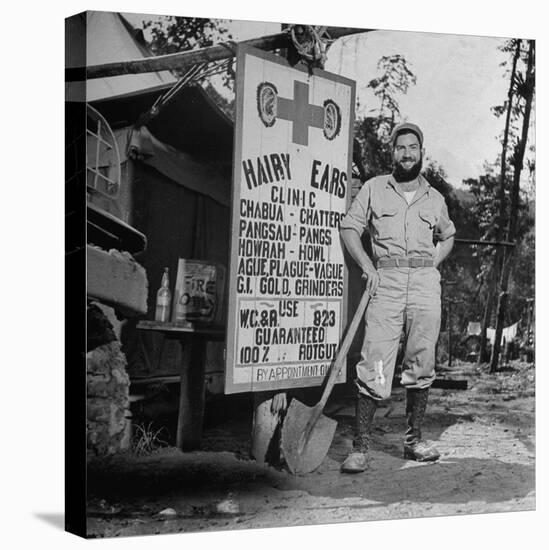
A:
[338, 361]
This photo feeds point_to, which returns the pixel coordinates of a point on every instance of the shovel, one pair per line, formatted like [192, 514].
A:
[306, 433]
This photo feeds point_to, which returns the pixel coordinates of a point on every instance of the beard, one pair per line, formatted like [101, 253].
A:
[402, 174]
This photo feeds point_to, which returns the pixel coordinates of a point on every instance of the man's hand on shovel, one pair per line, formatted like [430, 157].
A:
[371, 278]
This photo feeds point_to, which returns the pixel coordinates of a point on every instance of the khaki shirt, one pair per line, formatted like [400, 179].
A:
[398, 229]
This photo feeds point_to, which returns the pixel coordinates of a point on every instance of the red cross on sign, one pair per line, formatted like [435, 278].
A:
[301, 113]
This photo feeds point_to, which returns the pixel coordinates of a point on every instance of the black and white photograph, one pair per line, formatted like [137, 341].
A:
[299, 286]
[310, 266]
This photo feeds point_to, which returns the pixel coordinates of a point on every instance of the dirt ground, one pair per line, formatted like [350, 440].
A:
[485, 435]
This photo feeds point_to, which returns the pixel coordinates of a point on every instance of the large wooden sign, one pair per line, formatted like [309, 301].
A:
[287, 280]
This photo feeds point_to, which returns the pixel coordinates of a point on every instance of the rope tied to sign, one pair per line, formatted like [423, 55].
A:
[309, 43]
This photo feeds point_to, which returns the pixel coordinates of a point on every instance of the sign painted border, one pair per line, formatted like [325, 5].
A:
[245, 53]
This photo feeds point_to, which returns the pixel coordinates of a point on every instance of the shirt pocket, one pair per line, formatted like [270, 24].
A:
[426, 227]
[384, 222]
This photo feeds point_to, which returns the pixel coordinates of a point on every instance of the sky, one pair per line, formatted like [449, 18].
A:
[459, 79]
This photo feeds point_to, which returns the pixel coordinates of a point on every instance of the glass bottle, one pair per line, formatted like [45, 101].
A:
[163, 299]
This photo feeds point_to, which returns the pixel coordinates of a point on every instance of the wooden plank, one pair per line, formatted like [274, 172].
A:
[182, 60]
[112, 232]
[441, 383]
[167, 379]
[450, 384]
[192, 394]
[116, 280]
[483, 243]
[215, 332]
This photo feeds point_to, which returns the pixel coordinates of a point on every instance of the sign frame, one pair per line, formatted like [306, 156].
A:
[243, 54]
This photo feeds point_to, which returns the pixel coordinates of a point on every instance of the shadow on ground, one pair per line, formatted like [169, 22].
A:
[486, 440]
[389, 480]
[485, 436]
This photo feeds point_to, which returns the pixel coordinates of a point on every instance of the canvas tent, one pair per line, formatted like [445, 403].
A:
[109, 37]
[176, 171]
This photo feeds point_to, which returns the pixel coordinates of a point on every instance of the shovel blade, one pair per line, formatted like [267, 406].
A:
[307, 459]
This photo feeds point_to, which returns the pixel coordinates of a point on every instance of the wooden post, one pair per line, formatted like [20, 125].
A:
[192, 389]
[450, 303]
[181, 60]
[266, 426]
[443, 298]
[530, 306]
[449, 325]
[192, 392]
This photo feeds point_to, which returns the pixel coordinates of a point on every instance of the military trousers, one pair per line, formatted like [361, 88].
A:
[407, 299]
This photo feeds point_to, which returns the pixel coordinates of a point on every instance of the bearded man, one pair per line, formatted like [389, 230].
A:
[404, 216]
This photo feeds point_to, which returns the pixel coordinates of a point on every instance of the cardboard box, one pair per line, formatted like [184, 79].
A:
[199, 289]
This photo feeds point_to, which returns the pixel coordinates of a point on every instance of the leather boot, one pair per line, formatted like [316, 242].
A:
[357, 461]
[416, 448]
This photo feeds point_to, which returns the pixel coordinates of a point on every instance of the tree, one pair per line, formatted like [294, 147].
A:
[507, 107]
[174, 34]
[499, 222]
[525, 86]
[486, 212]
[522, 280]
[460, 266]
[496, 202]
[373, 130]
[396, 77]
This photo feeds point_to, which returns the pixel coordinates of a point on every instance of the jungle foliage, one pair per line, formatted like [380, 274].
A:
[496, 206]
